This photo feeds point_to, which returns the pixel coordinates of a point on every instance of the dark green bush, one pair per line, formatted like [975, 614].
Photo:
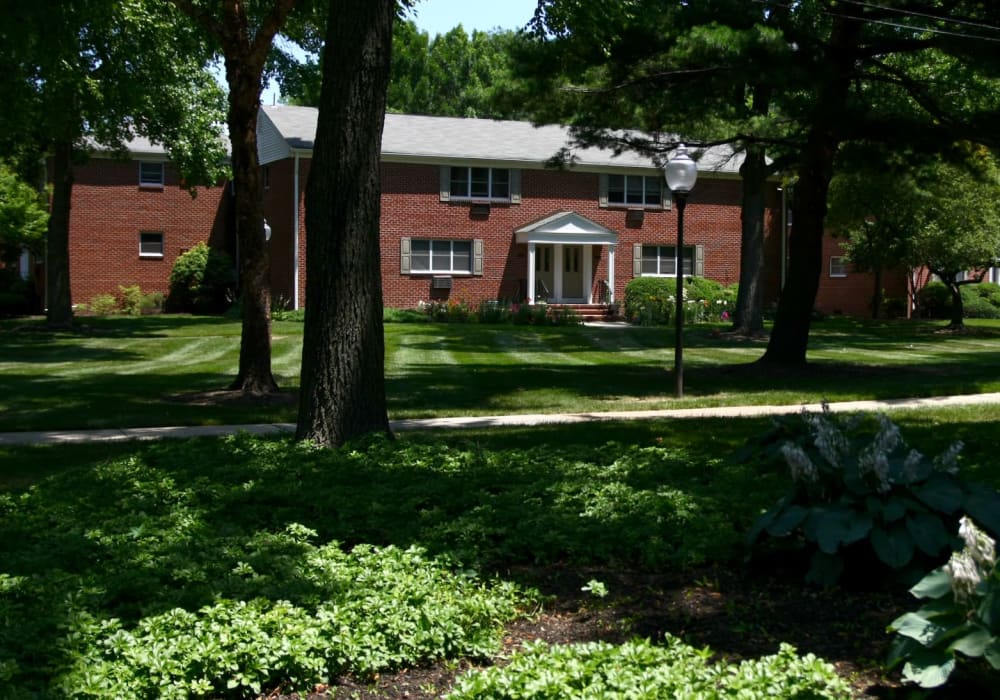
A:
[202, 281]
[981, 300]
[934, 300]
[650, 300]
[855, 494]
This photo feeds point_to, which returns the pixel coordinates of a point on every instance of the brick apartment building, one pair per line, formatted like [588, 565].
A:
[469, 212]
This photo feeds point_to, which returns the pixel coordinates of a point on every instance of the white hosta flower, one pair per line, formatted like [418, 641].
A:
[969, 567]
[799, 464]
[830, 442]
[888, 437]
[947, 461]
[980, 545]
[911, 464]
[964, 574]
[876, 463]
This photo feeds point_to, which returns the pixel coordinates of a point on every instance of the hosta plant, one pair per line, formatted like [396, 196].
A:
[961, 618]
[857, 493]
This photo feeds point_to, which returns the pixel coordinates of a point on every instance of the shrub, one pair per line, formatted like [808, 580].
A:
[934, 300]
[131, 300]
[152, 302]
[202, 281]
[856, 494]
[493, 311]
[103, 304]
[981, 300]
[390, 315]
[650, 300]
[639, 669]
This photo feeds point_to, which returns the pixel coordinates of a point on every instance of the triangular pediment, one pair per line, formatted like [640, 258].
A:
[566, 227]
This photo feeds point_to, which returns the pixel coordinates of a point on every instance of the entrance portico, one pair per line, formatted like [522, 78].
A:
[560, 257]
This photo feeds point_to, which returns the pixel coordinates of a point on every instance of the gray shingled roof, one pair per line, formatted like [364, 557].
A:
[418, 138]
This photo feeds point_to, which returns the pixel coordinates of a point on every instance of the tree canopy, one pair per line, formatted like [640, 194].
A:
[23, 217]
[451, 75]
[801, 79]
[93, 74]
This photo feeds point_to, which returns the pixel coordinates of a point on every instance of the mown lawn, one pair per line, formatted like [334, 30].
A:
[244, 567]
[127, 372]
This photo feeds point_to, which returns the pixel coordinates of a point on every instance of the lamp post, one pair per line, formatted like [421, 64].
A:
[681, 173]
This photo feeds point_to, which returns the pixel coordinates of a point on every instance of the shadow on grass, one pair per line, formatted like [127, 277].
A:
[46, 402]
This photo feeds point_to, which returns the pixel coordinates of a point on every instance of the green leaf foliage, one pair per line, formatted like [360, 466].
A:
[959, 621]
[641, 670]
[855, 491]
[203, 280]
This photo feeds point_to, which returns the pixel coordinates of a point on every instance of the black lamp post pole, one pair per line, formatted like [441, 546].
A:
[681, 198]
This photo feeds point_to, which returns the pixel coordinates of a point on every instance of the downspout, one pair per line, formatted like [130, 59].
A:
[295, 238]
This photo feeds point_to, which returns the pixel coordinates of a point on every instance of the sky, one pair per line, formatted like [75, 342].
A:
[440, 16]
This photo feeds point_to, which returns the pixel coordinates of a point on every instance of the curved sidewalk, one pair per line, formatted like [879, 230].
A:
[52, 437]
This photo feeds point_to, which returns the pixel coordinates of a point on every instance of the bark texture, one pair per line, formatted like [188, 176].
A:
[748, 318]
[59, 312]
[790, 334]
[343, 356]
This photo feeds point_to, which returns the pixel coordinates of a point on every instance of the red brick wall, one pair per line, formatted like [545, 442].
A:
[109, 209]
[852, 294]
[411, 207]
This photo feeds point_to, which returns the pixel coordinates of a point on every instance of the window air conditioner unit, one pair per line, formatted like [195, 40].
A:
[441, 283]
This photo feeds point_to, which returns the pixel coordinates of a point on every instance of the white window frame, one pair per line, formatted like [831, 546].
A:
[687, 264]
[143, 253]
[145, 179]
[431, 243]
[465, 178]
[838, 266]
[648, 201]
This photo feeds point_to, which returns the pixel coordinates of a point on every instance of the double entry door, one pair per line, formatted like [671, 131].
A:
[559, 273]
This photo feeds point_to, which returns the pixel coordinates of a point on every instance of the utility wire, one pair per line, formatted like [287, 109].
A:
[895, 25]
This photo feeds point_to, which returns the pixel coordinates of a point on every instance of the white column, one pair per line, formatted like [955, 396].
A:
[588, 273]
[611, 271]
[557, 271]
[531, 273]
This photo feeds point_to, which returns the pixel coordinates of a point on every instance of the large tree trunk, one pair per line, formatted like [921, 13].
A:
[790, 335]
[255, 286]
[59, 313]
[748, 317]
[343, 355]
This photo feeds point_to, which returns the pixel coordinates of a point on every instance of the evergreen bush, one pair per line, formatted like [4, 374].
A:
[203, 281]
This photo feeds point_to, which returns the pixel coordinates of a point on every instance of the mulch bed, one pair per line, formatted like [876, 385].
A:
[738, 613]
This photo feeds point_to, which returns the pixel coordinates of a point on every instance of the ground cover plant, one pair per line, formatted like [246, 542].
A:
[158, 370]
[261, 563]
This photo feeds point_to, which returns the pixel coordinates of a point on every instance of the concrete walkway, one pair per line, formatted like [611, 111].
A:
[51, 437]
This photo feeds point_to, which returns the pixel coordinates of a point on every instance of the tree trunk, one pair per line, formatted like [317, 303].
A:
[877, 293]
[59, 313]
[255, 288]
[748, 318]
[343, 357]
[957, 305]
[790, 335]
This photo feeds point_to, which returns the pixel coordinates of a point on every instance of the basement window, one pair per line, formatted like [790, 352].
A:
[150, 244]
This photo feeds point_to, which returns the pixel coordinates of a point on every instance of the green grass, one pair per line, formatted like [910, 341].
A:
[128, 372]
